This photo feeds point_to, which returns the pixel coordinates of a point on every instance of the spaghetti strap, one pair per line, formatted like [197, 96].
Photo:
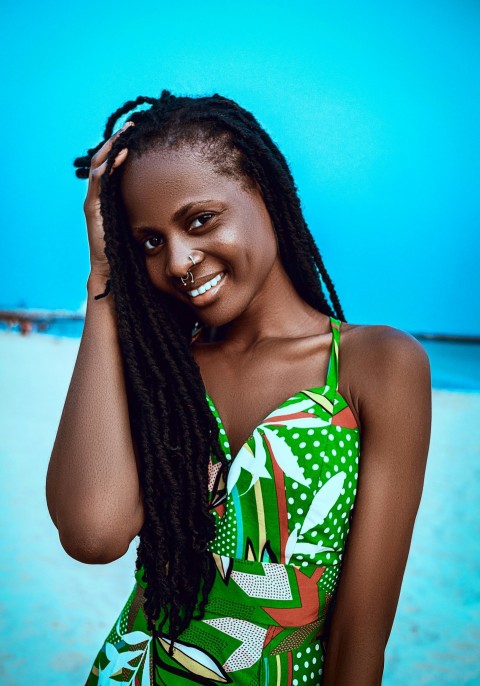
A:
[332, 373]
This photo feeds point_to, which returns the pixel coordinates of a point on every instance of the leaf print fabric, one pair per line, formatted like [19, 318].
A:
[282, 521]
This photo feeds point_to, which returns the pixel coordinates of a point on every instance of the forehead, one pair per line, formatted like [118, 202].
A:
[161, 180]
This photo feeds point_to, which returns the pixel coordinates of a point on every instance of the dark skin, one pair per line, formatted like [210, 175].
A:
[272, 345]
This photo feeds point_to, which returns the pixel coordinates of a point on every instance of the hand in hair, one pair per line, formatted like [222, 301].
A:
[95, 229]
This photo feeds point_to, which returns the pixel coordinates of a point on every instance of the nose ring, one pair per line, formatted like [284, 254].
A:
[189, 274]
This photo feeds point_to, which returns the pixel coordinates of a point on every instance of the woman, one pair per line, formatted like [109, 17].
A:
[216, 410]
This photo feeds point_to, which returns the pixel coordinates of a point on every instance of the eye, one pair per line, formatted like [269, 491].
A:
[153, 241]
[202, 218]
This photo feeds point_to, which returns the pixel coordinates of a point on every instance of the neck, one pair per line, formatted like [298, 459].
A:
[276, 312]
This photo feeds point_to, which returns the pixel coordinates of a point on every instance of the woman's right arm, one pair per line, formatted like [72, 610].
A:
[92, 487]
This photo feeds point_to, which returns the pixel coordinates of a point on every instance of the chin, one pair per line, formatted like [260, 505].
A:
[213, 323]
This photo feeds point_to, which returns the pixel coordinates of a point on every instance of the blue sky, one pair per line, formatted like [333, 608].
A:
[375, 105]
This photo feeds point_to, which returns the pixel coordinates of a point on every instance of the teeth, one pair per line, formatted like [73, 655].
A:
[206, 286]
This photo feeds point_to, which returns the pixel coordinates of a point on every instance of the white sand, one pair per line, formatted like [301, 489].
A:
[56, 611]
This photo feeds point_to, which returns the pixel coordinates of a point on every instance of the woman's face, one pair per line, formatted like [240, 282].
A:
[179, 205]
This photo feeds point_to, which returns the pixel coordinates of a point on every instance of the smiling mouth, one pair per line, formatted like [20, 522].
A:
[204, 288]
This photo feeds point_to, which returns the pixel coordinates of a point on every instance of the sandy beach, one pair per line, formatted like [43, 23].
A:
[56, 612]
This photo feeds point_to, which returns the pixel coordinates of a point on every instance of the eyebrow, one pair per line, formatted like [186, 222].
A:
[177, 215]
[180, 213]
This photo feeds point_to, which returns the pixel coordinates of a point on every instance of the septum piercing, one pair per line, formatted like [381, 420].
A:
[184, 282]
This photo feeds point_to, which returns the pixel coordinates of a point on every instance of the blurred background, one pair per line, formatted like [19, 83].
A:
[376, 107]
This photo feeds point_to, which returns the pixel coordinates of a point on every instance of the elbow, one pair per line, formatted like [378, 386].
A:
[94, 549]
[97, 535]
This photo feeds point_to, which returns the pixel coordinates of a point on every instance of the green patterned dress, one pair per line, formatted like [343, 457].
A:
[282, 521]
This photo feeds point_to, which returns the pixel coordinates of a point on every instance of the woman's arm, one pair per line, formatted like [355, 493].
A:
[93, 492]
[395, 412]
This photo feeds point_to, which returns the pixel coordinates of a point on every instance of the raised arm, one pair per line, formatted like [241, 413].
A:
[92, 484]
[395, 415]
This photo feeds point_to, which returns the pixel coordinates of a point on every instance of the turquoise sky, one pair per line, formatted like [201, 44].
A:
[376, 106]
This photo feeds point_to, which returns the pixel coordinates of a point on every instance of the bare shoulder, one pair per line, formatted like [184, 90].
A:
[377, 361]
[384, 344]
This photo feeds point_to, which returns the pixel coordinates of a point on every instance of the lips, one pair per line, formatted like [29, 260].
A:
[207, 287]
[198, 282]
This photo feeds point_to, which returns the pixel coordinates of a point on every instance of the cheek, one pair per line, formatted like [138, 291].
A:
[252, 235]
[156, 272]
[261, 247]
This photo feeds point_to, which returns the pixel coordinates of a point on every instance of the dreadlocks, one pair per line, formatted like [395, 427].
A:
[155, 333]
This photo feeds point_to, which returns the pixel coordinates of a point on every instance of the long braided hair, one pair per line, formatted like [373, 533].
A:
[172, 426]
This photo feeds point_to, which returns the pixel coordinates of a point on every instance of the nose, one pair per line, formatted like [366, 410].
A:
[179, 260]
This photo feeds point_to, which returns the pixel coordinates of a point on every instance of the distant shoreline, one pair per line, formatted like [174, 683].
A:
[26, 321]
[454, 362]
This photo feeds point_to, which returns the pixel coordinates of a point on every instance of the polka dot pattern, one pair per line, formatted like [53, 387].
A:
[318, 465]
[318, 495]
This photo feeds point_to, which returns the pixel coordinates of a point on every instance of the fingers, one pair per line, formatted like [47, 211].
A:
[120, 158]
[101, 155]
[99, 171]
[98, 166]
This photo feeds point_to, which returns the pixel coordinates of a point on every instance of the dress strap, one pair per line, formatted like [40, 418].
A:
[196, 332]
[332, 373]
